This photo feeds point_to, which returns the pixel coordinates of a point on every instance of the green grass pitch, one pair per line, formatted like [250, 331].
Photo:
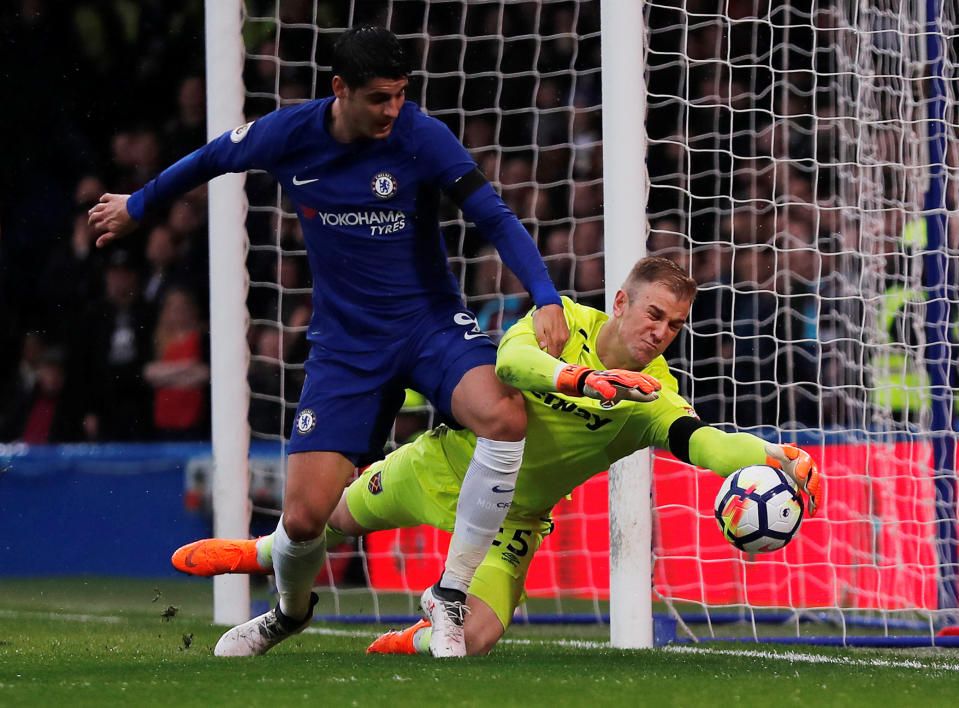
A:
[100, 641]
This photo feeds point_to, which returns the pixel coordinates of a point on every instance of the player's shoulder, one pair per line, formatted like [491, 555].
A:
[578, 317]
[420, 128]
[582, 316]
[413, 113]
[291, 118]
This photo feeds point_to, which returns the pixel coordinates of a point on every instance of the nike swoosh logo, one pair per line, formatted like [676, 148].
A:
[188, 561]
[298, 182]
[496, 488]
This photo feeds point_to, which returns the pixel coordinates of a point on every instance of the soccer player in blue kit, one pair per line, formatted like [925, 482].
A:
[365, 169]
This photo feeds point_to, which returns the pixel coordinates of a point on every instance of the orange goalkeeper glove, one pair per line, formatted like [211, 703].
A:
[800, 466]
[612, 385]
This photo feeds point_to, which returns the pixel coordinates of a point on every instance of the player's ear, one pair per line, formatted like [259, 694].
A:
[620, 303]
[339, 87]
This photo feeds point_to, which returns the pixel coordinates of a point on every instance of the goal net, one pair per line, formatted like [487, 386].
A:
[519, 84]
[789, 163]
[791, 166]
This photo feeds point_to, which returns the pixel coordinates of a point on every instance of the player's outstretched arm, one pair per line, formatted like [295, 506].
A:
[699, 444]
[110, 218]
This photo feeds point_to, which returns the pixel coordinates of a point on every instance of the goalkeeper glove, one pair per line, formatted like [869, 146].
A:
[800, 466]
[612, 385]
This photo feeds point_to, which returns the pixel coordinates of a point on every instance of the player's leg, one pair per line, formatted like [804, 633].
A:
[219, 556]
[496, 591]
[388, 494]
[456, 371]
[482, 629]
[498, 586]
[496, 414]
[314, 484]
[330, 436]
[313, 487]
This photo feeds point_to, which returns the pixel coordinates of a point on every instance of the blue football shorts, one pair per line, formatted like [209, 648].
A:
[349, 401]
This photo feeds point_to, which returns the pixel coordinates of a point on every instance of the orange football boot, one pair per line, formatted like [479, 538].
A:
[216, 556]
[400, 642]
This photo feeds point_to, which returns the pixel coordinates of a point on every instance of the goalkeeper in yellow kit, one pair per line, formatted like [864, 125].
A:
[610, 394]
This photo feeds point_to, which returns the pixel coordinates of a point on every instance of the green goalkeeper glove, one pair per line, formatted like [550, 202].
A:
[611, 385]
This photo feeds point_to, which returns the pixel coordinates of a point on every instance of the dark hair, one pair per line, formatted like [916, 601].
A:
[653, 269]
[367, 52]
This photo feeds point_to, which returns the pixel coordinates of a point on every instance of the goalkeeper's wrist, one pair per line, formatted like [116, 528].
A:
[571, 379]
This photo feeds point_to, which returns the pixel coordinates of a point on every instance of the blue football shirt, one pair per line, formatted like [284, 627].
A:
[369, 215]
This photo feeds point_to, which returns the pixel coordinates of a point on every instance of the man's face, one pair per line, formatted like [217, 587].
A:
[371, 109]
[650, 321]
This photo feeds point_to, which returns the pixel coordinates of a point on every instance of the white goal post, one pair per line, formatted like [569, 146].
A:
[625, 192]
[229, 354]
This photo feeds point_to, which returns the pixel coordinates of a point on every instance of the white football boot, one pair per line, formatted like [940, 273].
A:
[262, 633]
[447, 617]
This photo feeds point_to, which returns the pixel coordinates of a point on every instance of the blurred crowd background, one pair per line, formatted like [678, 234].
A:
[112, 344]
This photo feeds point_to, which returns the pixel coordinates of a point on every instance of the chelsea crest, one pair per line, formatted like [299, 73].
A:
[305, 421]
[384, 185]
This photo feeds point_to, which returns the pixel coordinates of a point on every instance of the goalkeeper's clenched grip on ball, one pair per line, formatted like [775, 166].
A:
[611, 385]
[800, 466]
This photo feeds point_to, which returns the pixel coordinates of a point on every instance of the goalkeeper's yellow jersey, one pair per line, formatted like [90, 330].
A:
[568, 439]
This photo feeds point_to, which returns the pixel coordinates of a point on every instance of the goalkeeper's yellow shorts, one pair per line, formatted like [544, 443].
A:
[414, 485]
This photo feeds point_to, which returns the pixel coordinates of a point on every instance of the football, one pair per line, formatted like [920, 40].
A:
[758, 509]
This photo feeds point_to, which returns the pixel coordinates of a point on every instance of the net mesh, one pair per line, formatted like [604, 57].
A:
[787, 165]
[519, 84]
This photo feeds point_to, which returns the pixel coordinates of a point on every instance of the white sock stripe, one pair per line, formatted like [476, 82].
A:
[503, 456]
[297, 548]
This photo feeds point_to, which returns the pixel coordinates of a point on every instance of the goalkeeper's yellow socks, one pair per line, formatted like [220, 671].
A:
[412, 640]
[264, 552]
